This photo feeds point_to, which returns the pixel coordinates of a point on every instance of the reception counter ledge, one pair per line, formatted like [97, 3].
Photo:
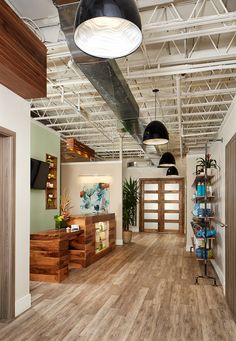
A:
[52, 252]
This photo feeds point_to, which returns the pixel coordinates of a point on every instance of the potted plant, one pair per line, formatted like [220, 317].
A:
[207, 163]
[130, 200]
[60, 222]
[65, 206]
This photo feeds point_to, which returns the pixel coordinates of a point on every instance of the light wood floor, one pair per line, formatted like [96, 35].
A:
[143, 291]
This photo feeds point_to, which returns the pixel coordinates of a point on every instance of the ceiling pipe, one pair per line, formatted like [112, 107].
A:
[179, 110]
[104, 74]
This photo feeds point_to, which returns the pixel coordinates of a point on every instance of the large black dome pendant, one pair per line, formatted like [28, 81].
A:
[172, 171]
[108, 28]
[155, 133]
[167, 160]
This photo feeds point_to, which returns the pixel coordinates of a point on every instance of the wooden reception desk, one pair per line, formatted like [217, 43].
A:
[52, 252]
[49, 254]
[98, 239]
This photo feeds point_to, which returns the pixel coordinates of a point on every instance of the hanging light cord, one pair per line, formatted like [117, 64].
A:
[155, 91]
[155, 106]
[161, 109]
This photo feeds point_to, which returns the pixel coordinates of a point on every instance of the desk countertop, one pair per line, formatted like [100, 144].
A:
[55, 234]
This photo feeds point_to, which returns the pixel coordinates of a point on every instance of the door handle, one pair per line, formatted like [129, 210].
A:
[222, 224]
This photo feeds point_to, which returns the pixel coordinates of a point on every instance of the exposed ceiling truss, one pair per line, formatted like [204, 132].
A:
[188, 52]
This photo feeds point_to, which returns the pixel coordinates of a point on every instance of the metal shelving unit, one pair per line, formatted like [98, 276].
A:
[207, 241]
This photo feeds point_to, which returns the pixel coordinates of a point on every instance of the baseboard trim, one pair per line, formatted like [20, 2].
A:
[22, 304]
[119, 242]
[219, 273]
[188, 247]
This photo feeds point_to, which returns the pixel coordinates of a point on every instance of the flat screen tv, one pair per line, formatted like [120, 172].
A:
[39, 174]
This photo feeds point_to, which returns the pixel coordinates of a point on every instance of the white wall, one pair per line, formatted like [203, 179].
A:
[217, 151]
[151, 172]
[15, 116]
[73, 174]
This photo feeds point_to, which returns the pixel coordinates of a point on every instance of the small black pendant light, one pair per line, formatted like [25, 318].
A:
[108, 28]
[155, 132]
[172, 171]
[167, 160]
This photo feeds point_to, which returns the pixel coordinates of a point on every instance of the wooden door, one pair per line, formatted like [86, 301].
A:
[230, 220]
[7, 224]
[162, 205]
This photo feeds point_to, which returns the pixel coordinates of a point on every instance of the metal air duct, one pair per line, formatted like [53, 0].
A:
[104, 74]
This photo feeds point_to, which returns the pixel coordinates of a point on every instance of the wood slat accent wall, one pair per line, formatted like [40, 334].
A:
[22, 56]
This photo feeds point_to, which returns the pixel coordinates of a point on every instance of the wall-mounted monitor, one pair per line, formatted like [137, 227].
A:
[39, 174]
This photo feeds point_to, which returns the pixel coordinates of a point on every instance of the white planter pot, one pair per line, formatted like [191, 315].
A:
[210, 171]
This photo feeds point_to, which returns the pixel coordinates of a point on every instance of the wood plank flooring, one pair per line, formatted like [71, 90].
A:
[143, 291]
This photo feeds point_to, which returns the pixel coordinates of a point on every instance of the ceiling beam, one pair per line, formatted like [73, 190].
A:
[190, 23]
[189, 35]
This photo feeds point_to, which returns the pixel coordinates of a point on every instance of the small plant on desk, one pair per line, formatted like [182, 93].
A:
[65, 205]
[60, 221]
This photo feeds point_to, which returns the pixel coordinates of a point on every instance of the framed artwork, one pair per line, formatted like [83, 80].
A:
[94, 198]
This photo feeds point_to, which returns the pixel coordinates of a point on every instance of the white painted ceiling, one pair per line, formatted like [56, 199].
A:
[188, 52]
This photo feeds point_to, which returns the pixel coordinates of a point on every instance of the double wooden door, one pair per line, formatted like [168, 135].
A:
[230, 220]
[162, 205]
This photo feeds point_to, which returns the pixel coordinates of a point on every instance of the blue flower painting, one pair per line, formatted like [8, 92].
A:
[94, 198]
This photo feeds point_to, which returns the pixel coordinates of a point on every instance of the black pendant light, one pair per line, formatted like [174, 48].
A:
[108, 28]
[167, 160]
[155, 132]
[172, 171]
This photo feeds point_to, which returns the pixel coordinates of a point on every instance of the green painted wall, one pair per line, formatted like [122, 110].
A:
[43, 141]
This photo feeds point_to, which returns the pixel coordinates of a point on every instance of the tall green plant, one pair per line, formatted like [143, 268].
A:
[130, 200]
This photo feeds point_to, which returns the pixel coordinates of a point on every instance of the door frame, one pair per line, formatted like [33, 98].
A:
[230, 232]
[180, 180]
[7, 223]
